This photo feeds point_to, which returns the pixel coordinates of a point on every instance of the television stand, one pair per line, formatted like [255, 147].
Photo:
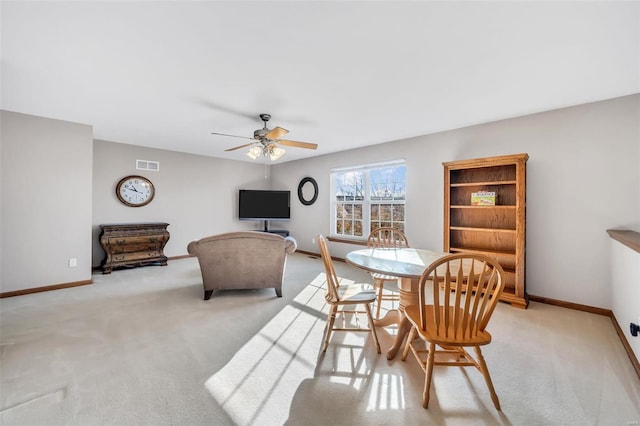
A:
[283, 232]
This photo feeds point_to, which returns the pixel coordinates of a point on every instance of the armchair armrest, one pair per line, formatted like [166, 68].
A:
[291, 245]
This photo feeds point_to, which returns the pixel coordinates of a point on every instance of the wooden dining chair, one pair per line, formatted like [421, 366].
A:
[466, 289]
[386, 238]
[341, 295]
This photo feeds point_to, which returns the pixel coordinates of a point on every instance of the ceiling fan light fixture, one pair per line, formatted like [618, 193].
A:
[254, 152]
[276, 153]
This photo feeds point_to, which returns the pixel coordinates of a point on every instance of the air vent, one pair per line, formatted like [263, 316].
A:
[154, 166]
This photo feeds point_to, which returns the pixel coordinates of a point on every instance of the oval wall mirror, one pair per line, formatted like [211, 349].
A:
[308, 191]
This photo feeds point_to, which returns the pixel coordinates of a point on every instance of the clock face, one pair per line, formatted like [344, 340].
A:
[135, 191]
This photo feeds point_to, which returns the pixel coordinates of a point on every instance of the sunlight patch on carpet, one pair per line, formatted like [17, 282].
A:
[258, 384]
[265, 380]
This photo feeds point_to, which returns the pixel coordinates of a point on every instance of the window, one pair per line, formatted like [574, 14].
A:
[368, 197]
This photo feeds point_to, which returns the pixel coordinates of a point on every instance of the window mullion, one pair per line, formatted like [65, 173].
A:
[366, 208]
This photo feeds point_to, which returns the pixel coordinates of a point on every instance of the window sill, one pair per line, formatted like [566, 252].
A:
[347, 241]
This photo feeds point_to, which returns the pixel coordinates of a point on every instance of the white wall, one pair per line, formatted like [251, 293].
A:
[46, 187]
[196, 195]
[582, 179]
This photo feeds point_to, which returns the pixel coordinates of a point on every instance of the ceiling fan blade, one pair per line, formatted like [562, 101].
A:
[238, 147]
[231, 136]
[297, 144]
[276, 133]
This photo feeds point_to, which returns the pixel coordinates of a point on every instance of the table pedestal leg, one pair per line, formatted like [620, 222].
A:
[408, 296]
[390, 318]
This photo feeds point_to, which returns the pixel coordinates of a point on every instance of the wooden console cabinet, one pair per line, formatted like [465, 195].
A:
[496, 230]
[133, 244]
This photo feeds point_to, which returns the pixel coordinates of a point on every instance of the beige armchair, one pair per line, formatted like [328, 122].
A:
[242, 260]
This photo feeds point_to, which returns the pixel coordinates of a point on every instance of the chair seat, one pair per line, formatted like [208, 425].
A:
[383, 277]
[356, 293]
[437, 335]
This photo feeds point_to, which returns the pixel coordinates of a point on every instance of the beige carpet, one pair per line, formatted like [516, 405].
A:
[141, 347]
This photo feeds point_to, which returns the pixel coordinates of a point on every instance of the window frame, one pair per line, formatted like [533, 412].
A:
[366, 202]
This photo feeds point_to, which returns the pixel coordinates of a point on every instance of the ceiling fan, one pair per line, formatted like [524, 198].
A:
[266, 142]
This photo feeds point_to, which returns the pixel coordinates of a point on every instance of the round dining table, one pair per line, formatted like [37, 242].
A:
[407, 264]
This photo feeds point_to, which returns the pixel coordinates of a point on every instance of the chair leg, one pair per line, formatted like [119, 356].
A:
[407, 346]
[331, 319]
[428, 373]
[379, 284]
[372, 327]
[487, 378]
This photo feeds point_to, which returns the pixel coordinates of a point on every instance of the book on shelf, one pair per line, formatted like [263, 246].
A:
[483, 198]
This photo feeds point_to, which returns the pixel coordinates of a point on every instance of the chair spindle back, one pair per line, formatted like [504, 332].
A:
[332, 278]
[466, 289]
[387, 238]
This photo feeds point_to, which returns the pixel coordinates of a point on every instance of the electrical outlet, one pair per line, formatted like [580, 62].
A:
[73, 262]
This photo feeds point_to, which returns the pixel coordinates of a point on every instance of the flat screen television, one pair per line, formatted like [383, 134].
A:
[264, 205]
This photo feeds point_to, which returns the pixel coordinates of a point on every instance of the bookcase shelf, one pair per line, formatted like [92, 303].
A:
[467, 228]
[483, 207]
[496, 231]
[506, 182]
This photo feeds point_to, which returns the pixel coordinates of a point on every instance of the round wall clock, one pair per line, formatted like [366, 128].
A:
[135, 191]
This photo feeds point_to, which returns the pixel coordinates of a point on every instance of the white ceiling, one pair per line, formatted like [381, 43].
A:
[340, 74]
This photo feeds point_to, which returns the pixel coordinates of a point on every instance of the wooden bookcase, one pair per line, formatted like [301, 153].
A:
[497, 231]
